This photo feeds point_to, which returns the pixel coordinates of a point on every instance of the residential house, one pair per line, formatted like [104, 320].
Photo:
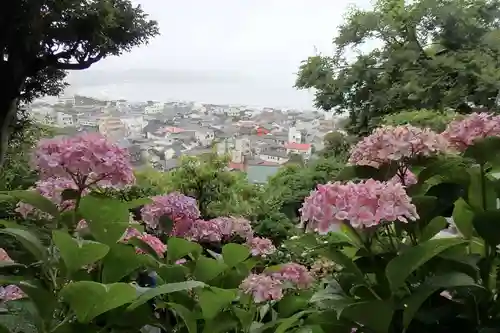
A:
[64, 119]
[134, 125]
[237, 148]
[205, 137]
[303, 149]
[294, 135]
[112, 128]
[233, 111]
[274, 154]
[154, 108]
[263, 130]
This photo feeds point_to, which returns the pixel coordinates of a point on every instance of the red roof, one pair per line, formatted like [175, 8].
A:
[298, 146]
[171, 130]
[239, 166]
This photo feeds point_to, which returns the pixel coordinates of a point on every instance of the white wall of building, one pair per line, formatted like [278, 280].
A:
[154, 108]
[294, 135]
[64, 119]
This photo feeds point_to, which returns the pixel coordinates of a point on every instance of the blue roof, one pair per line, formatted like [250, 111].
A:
[259, 174]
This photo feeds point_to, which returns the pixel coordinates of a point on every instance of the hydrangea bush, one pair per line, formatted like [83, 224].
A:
[393, 269]
[378, 259]
[98, 269]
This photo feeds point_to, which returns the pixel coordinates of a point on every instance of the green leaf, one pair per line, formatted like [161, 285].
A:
[186, 315]
[484, 150]
[434, 227]
[341, 259]
[291, 321]
[151, 293]
[107, 218]
[399, 268]
[462, 217]
[36, 200]
[477, 192]
[366, 172]
[28, 240]
[120, 261]
[208, 269]
[89, 299]
[429, 287]
[172, 273]
[292, 303]
[214, 300]
[139, 243]
[426, 206]
[44, 300]
[233, 254]
[166, 224]
[78, 253]
[487, 225]
[178, 248]
[375, 315]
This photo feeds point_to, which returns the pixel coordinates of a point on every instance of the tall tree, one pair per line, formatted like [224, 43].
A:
[41, 39]
[421, 54]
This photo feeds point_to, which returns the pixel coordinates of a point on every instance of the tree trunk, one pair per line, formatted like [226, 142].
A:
[8, 109]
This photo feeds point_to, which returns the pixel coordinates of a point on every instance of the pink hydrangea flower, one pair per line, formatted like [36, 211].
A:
[181, 262]
[389, 143]
[409, 179]
[363, 204]
[4, 256]
[463, 133]
[261, 247]
[262, 287]
[51, 188]
[181, 209]
[11, 293]
[87, 158]
[131, 233]
[205, 231]
[234, 226]
[295, 273]
[154, 242]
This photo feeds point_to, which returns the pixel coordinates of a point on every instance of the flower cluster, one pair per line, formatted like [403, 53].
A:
[323, 267]
[462, 133]
[363, 204]
[181, 209]
[52, 189]
[408, 179]
[154, 242]
[11, 293]
[234, 226]
[270, 286]
[295, 273]
[261, 247]
[87, 159]
[205, 231]
[262, 287]
[4, 256]
[389, 143]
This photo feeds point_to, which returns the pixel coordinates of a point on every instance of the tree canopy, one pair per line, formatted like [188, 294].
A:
[41, 39]
[436, 121]
[422, 54]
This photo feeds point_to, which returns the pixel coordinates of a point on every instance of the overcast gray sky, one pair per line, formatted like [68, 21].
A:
[246, 51]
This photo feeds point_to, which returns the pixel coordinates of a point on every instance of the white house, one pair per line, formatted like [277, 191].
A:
[233, 112]
[134, 125]
[64, 119]
[237, 148]
[304, 149]
[154, 108]
[294, 135]
[205, 137]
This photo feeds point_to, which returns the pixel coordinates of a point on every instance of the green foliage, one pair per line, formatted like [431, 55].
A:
[219, 192]
[337, 144]
[434, 55]
[434, 120]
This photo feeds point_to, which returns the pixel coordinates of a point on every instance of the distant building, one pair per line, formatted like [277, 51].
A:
[64, 119]
[154, 108]
[303, 149]
[112, 128]
[294, 135]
